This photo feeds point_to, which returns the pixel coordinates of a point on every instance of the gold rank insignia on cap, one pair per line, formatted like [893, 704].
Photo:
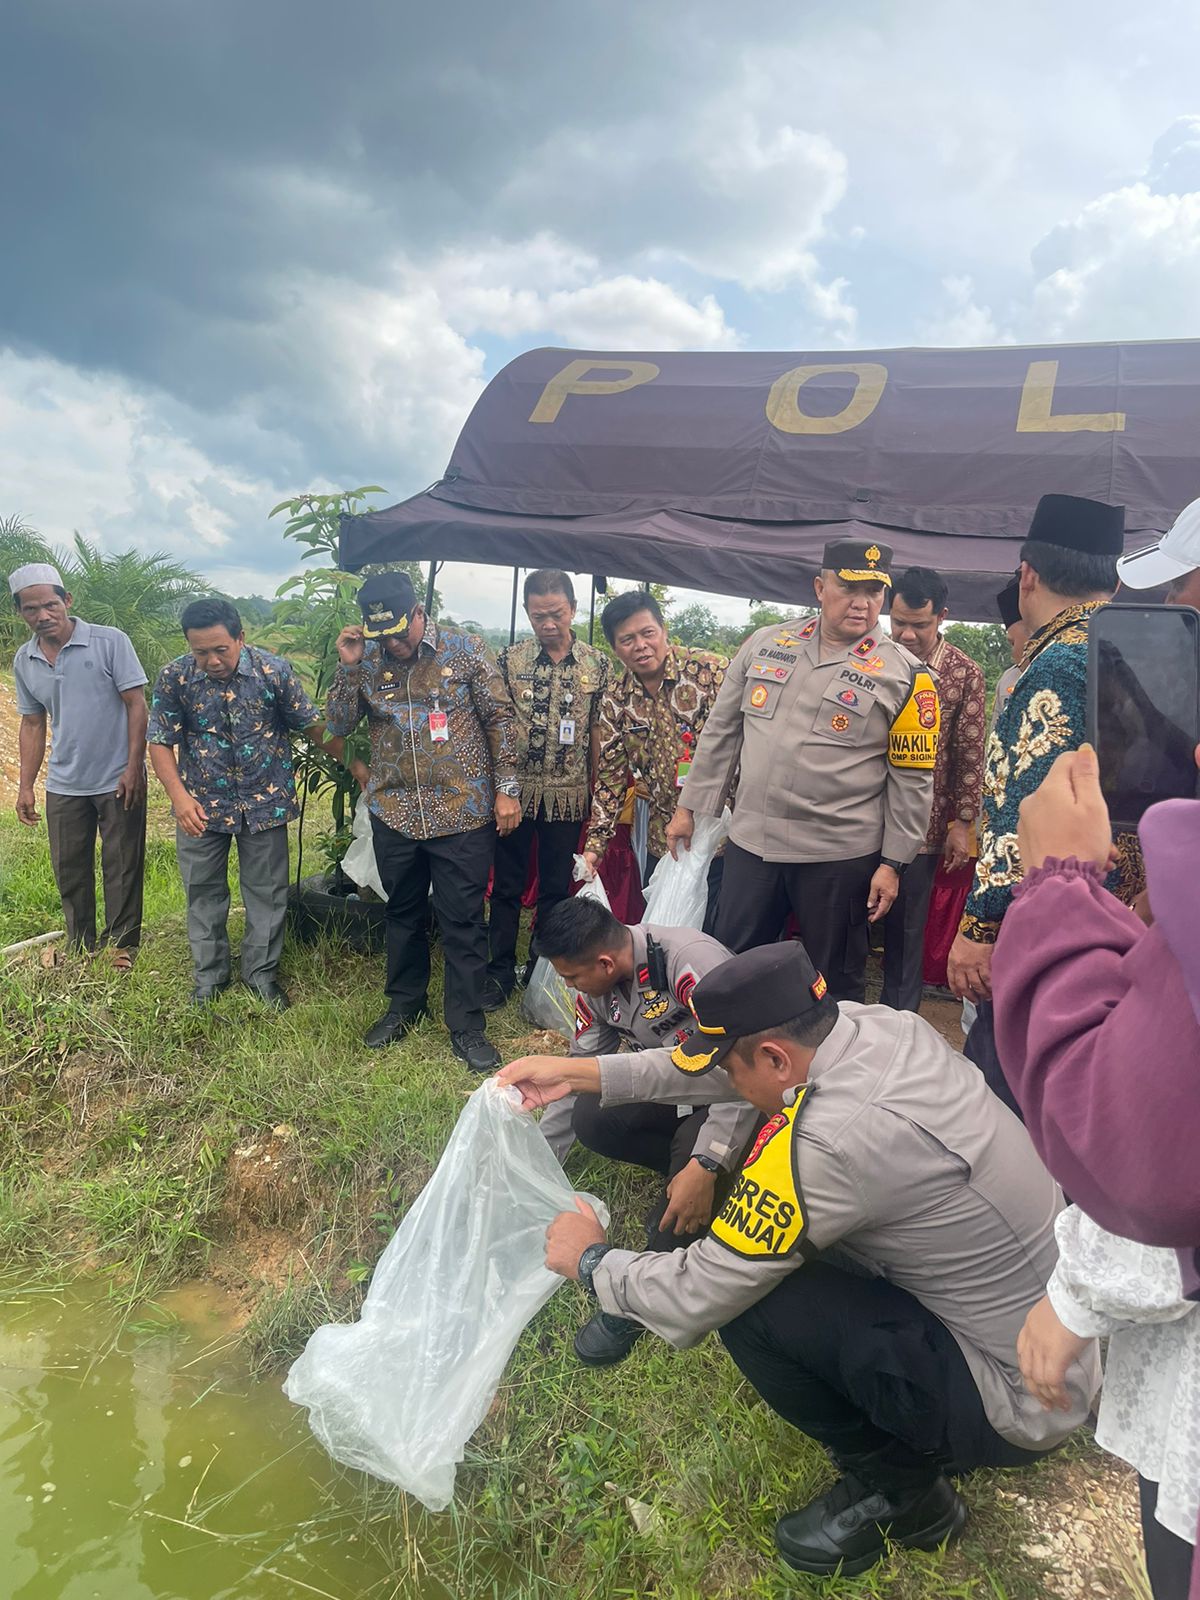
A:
[857, 561]
[381, 622]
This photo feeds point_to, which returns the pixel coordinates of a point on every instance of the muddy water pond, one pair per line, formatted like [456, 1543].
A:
[138, 1461]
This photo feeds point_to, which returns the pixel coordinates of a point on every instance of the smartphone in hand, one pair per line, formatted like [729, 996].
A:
[1144, 705]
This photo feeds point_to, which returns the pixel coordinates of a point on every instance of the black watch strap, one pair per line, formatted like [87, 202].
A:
[588, 1262]
[896, 866]
[709, 1164]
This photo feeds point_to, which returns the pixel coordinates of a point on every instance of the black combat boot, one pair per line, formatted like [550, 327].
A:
[877, 1500]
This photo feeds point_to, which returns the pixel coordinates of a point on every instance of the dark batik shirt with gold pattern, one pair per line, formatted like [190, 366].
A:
[231, 736]
[425, 786]
[1045, 714]
[648, 737]
[552, 698]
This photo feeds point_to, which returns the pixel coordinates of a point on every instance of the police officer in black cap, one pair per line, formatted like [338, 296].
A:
[897, 1351]
[835, 726]
[441, 782]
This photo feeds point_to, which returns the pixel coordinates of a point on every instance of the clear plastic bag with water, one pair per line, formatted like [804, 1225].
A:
[677, 894]
[399, 1392]
[548, 1003]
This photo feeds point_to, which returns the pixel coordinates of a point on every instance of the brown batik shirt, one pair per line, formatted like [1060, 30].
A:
[421, 784]
[652, 737]
[556, 704]
[958, 775]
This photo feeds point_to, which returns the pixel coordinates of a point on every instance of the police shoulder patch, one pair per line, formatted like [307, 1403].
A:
[913, 741]
[764, 1215]
[583, 1016]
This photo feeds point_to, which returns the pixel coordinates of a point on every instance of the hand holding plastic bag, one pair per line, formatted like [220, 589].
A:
[548, 1003]
[400, 1392]
[359, 862]
[677, 894]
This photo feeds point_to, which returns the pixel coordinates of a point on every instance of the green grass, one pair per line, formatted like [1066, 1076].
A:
[124, 1121]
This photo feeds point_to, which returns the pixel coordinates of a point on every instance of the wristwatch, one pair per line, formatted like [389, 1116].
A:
[708, 1164]
[509, 787]
[898, 867]
[588, 1263]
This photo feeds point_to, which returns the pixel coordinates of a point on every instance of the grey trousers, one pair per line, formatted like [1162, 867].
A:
[72, 822]
[263, 871]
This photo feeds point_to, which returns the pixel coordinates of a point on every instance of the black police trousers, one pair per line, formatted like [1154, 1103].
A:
[904, 936]
[827, 898]
[653, 1136]
[857, 1364]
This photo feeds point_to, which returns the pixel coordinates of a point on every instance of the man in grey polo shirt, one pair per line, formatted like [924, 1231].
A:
[88, 681]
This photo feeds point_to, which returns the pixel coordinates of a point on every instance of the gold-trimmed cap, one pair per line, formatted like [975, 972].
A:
[859, 560]
[745, 995]
[387, 601]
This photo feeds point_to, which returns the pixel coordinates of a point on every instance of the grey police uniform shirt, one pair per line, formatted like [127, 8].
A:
[654, 1022]
[81, 693]
[815, 739]
[915, 1171]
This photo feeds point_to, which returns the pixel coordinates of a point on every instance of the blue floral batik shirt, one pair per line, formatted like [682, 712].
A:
[232, 739]
[1045, 714]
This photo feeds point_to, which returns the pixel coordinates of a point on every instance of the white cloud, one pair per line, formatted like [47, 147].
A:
[961, 321]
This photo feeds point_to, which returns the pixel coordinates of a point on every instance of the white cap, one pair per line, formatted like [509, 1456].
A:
[1175, 555]
[34, 572]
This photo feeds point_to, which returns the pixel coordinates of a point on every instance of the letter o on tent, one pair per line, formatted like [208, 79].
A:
[783, 403]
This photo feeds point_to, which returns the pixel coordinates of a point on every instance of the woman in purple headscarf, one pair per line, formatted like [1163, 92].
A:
[1098, 1031]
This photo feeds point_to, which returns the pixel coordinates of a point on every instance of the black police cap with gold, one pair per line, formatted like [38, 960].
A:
[747, 994]
[388, 601]
[859, 560]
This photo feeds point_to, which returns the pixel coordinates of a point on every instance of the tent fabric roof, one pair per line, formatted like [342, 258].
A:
[729, 471]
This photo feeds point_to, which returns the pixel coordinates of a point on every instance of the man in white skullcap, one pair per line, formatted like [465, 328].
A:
[88, 684]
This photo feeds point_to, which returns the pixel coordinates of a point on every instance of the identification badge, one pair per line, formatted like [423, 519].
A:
[682, 768]
[439, 729]
[566, 730]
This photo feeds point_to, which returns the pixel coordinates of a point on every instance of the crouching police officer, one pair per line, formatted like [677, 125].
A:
[632, 990]
[898, 1351]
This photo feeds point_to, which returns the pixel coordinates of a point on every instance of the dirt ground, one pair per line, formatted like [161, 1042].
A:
[10, 769]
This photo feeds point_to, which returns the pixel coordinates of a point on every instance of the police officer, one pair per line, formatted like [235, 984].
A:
[836, 728]
[632, 988]
[898, 1351]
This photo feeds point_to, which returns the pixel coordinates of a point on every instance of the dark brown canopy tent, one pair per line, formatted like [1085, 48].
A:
[728, 472]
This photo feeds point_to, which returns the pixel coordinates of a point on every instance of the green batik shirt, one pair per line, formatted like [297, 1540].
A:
[556, 703]
[1045, 714]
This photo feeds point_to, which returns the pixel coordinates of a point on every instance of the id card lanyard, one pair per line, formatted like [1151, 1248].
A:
[684, 765]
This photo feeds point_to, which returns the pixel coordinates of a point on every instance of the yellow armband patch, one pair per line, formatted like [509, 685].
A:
[913, 741]
[764, 1215]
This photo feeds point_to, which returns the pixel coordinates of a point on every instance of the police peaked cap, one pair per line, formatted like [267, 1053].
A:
[1073, 523]
[859, 560]
[748, 994]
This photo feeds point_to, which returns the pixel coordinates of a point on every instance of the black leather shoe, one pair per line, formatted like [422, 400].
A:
[270, 993]
[205, 993]
[848, 1530]
[391, 1026]
[495, 995]
[606, 1339]
[477, 1050]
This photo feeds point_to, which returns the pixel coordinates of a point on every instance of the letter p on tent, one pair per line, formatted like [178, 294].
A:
[573, 379]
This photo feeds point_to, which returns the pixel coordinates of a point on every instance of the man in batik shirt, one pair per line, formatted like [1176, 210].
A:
[219, 737]
[440, 786]
[1068, 570]
[556, 682]
[918, 612]
[650, 720]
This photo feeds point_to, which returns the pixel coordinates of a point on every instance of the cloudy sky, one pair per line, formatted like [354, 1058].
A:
[253, 247]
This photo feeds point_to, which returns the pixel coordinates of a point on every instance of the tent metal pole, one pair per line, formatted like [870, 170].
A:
[433, 572]
[592, 613]
[512, 617]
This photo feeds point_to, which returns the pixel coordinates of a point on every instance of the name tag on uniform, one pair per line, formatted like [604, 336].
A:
[439, 727]
[566, 730]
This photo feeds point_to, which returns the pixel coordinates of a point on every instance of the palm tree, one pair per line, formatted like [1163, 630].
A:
[140, 594]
